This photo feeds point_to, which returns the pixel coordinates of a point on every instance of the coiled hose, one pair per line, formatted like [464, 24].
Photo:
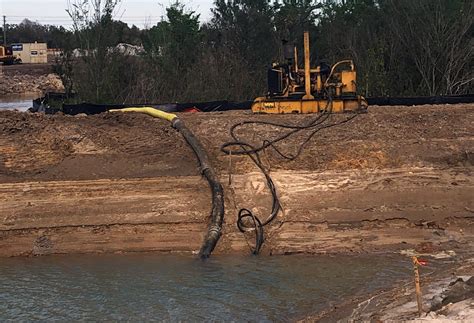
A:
[240, 147]
[214, 230]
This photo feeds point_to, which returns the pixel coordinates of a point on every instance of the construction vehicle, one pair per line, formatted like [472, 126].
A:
[7, 57]
[310, 90]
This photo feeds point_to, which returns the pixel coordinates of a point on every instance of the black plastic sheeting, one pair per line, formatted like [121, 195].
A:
[421, 100]
[41, 104]
[89, 108]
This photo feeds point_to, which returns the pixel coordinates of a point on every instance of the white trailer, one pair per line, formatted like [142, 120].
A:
[31, 53]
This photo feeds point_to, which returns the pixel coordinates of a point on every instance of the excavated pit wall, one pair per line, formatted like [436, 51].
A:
[394, 178]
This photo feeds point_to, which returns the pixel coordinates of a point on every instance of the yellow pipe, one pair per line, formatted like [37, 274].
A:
[307, 68]
[150, 111]
[318, 80]
[348, 61]
[295, 50]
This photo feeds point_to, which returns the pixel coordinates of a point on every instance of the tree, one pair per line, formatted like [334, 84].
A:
[355, 30]
[29, 32]
[227, 58]
[173, 47]
[246, 29]
[441, 46]
[293, 17]
[101, 74]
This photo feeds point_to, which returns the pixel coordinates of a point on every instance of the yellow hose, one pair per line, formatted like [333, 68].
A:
[150, 111]
[214, 230]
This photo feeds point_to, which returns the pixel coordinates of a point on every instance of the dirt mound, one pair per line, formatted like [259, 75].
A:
[115, 145]
[108, 145]
[29, 78]
[384, 137]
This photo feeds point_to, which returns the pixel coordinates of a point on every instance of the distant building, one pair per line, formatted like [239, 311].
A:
[31, 53]
[128, 49]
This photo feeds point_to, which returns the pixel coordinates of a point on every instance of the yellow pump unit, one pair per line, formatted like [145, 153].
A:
[310, 90]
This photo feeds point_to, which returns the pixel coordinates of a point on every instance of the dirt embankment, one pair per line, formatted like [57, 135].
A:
[28, 79]
[447, 293]
[394, 178]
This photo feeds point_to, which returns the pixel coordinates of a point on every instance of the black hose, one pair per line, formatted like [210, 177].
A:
[217, 212]
[315, 125]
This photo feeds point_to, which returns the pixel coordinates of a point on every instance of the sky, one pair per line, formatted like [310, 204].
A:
[139, 12]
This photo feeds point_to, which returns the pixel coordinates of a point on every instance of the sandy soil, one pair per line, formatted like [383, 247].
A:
[394, 178]
[447, 286]
[24, 79]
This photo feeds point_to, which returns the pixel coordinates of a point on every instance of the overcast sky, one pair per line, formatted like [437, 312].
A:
[138, 12]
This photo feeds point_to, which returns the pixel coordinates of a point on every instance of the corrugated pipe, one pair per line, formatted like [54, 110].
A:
[214, 231]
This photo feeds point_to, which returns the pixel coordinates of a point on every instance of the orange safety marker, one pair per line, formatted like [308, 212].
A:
[418, 262]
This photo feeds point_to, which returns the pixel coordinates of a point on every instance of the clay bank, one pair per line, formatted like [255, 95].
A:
[395, 178]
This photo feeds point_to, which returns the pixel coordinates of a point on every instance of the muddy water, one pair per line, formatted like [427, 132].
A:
[17, 102]
[174, 288]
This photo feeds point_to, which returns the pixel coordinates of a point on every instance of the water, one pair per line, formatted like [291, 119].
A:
[17, 102]
[175, 288]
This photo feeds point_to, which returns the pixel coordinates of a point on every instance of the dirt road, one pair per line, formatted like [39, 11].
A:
[394, 178]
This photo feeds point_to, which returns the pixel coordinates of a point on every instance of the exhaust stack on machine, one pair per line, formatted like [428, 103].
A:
[311, 90]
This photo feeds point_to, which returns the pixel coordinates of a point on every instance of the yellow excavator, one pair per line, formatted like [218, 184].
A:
[7, 57]
[310, 90]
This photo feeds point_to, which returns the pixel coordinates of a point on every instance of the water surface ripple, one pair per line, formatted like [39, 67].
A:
[182, 288]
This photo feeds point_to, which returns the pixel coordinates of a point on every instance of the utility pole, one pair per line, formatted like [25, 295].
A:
[4, 30]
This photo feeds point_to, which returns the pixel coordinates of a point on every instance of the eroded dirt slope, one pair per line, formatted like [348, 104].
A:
[36, 146]
[394, 178]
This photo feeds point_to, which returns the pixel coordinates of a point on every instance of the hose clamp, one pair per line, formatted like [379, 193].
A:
[175, 122]
[215, 228]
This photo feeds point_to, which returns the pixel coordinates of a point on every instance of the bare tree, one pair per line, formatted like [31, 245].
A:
[91, 22]
[435, 33]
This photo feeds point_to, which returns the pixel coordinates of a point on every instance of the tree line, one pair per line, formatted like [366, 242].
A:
[400, 48]
[29, 31]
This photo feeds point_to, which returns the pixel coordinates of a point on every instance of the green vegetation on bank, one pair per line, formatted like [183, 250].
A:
[400, 47]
